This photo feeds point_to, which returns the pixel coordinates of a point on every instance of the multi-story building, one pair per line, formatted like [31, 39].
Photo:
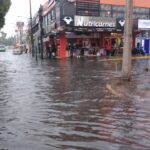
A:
[90, 23]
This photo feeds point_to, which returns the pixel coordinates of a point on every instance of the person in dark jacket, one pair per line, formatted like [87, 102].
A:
[71, 49]
[53, 50]
[50, 51]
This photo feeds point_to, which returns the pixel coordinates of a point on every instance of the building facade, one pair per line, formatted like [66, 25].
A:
[89, 25]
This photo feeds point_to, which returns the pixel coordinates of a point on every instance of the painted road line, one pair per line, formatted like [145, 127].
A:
[120, 58]
[112, 91]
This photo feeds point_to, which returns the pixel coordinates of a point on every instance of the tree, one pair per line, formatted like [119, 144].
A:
[2, 35]
[8, 41]
[4, 7]
[126, 64]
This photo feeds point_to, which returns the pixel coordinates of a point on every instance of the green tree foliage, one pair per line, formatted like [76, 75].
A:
[4, 7]
[7, 41]
[2, 35]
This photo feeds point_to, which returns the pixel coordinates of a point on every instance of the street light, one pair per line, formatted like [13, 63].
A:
[31, 34]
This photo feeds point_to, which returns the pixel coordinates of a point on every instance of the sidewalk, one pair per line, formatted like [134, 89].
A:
[109, 58]
[114, 58]
[138, 87]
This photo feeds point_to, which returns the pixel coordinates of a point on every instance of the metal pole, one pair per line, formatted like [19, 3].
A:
[127, 49]
[36, 53]
[31, 34]
[20, 37]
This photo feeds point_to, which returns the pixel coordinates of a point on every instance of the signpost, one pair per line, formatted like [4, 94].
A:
[20, 26]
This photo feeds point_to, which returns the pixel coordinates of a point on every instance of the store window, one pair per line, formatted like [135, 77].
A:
[105, 10]
[87, 8]
[45, 21]
[53, 15]
[118, 14]
[118, 11]
[142, 13]
[49, 17]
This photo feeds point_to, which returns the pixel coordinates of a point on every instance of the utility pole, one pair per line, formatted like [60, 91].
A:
[31, 34]
[127, 48]
[20, 32]
[41, 29]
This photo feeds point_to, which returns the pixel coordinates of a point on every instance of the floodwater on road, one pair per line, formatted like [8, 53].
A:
[65, 105]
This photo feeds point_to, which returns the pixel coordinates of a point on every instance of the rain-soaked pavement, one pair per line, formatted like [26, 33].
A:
[66, 105]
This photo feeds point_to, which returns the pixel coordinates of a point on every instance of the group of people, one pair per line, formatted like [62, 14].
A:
[78, 49]
[74, 48]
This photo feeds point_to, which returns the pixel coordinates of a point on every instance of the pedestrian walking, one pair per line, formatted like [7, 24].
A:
[53, 50]
[77, 51]
[50, 51]
[71, 49]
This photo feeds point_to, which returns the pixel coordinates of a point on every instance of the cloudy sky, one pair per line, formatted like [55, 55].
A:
[19, 11]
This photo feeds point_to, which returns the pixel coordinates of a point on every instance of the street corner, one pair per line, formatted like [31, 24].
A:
[120, 88]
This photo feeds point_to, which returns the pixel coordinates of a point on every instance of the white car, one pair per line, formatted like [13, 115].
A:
[17, 51]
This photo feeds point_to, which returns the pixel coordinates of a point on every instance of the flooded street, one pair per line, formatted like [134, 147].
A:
[65, 105]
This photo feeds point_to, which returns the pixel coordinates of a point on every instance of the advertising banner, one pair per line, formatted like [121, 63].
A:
[97, 22]
[143, 24]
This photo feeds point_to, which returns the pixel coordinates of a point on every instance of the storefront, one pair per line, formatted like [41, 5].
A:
[92, 24]
[89, 32]
[93, 34]
[142, 40]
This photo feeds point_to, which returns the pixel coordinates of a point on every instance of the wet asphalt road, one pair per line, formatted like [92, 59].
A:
[64, 105]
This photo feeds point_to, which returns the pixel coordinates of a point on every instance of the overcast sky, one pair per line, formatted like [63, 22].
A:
[19, 11]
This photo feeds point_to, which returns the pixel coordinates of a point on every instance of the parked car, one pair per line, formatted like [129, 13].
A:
[2, 48]
[17, 51]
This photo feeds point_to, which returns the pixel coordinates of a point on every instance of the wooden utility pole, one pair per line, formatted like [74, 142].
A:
[31, 34]
[127, 48]
[41, 28]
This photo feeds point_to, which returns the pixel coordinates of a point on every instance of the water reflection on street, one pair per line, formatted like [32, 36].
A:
[65, 105]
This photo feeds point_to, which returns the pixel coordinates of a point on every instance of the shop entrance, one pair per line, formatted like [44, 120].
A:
[86, 44]
[113, 43]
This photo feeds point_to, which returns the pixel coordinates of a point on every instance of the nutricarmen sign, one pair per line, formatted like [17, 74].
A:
[99, 22]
